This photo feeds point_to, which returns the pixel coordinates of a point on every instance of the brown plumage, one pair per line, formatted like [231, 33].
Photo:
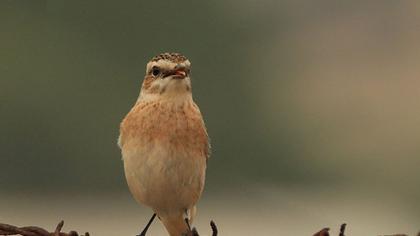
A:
[164, 143]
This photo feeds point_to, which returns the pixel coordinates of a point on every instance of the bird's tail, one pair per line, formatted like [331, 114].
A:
[176, 225]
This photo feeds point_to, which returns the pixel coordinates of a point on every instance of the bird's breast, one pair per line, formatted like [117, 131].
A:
[165, 147]
[178, 127]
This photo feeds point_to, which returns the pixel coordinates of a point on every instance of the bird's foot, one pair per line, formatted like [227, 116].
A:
[187, 218]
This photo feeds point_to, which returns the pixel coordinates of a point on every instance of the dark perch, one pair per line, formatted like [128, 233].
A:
[194, 231]
[342, 228]
[6, 229]
[324, 231]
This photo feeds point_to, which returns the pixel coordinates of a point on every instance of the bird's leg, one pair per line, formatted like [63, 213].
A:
[187, 219]
[143, 233]
[188, 223]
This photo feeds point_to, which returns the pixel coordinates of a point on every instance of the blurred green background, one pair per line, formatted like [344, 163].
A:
[310, 105]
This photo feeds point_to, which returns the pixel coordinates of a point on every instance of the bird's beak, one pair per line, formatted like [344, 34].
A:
[179, 72]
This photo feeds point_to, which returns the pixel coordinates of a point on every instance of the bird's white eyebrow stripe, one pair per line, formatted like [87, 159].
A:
[165, 65]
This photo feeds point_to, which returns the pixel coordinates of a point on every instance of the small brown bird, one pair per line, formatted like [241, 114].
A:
[165, 145]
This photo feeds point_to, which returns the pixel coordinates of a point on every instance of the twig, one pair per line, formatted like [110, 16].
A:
[342, 228]
[323, 232]
[58, 228]
[6, 229]
[213, 228]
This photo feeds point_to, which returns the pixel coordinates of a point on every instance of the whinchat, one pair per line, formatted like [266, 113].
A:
[164, 144]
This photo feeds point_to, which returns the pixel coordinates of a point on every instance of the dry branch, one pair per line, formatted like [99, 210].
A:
[323, 232]
[194, 231]
[342, 228]
[6, 229]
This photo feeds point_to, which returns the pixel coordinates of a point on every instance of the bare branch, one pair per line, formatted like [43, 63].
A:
[342, 228]
[194, 231]
[323, 232]
[214, 228]
[6, 229]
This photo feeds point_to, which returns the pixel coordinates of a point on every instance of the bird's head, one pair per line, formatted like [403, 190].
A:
[167, 75]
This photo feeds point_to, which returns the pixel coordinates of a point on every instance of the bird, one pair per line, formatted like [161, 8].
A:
[165, 145]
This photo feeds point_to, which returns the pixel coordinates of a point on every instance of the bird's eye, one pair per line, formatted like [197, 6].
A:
[155, 71]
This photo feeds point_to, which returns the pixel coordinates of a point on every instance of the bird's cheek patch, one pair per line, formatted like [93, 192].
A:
[147, 82]
[155, 88]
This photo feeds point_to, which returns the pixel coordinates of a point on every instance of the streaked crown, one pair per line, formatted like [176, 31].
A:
[172, 57]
